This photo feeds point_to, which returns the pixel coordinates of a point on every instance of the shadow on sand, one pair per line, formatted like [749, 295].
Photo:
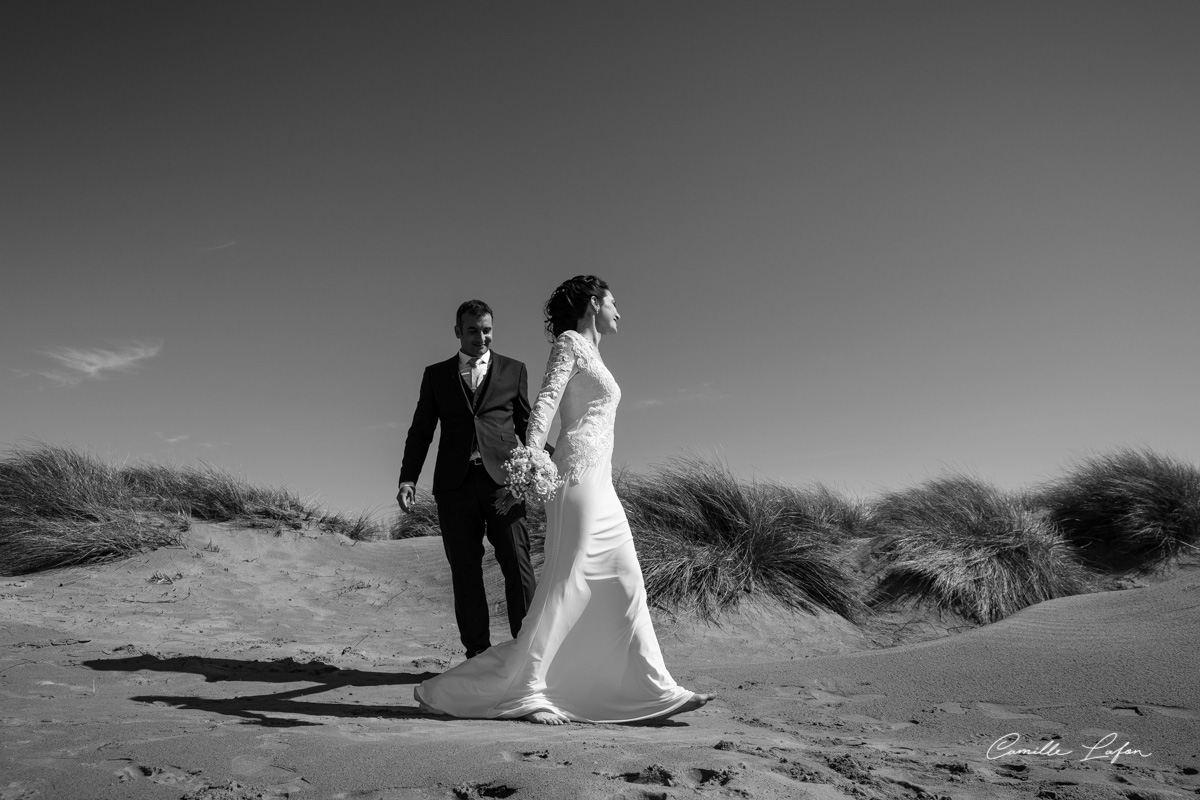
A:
[256, 708]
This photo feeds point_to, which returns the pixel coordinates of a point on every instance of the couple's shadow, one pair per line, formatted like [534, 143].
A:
[256, 709]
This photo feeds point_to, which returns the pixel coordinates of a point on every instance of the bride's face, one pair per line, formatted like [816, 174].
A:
[606, 315]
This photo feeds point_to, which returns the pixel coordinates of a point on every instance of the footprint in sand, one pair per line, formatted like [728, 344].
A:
[950, 708]
[164, 776]
[694, 778]
[1125, 711]
[263, 769]
[1141, 710]
[873, 724]
[997, 711]
[537, 758]
[820, 697]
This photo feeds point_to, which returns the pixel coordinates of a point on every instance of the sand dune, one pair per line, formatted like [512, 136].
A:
[255, 665]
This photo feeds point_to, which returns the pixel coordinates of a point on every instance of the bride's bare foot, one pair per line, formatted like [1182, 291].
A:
[697, 701]
[694, 702]
[547, 718]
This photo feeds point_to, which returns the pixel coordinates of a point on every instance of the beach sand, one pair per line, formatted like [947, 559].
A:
[256, 664]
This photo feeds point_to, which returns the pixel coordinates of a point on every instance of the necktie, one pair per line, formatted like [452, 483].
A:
[474, 378]
[476, 373]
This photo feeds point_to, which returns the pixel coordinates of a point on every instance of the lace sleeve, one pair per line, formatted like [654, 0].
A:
[559, 369]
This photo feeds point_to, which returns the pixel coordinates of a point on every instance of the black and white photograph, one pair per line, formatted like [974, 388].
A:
[615, 400]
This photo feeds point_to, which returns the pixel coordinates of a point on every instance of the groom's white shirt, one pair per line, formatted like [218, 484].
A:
[474, 377]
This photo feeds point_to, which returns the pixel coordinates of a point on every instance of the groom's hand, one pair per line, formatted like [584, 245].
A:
[406, 497]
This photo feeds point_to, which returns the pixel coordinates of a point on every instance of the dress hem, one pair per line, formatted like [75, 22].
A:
[521, 713]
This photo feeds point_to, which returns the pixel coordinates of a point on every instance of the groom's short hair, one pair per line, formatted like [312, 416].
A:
[476, 308]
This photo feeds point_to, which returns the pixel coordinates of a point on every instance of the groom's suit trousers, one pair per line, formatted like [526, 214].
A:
[466, 515]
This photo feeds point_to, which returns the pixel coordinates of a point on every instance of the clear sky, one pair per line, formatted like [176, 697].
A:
[852, 243]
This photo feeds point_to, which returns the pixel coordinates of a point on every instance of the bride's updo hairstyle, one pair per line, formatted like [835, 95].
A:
[568, 303]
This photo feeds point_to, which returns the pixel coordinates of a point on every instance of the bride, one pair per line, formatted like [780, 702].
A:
[587, 650]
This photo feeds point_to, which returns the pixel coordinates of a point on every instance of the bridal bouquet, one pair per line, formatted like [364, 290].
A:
[532, 477]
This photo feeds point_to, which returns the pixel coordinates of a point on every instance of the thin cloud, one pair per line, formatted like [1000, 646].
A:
[705, 392]
[230, 243]
[79, 364]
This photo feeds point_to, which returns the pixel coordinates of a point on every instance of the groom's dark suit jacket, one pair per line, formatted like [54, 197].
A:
[497, 419]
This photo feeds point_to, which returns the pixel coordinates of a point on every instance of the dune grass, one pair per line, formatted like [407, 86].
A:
[32, 545]
[1128, 511]
[208, 494]
[422, 520]
[60, 507]
[964, 546]
[361, 526]
[707, 540]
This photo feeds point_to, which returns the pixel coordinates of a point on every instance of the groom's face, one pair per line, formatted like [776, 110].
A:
[474, 334]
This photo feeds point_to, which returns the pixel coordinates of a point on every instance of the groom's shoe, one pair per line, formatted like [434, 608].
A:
[473, 653]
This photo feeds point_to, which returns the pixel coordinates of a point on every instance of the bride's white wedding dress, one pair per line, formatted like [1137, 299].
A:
[587, 649]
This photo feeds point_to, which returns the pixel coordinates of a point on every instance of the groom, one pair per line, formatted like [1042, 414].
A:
[479, 397]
